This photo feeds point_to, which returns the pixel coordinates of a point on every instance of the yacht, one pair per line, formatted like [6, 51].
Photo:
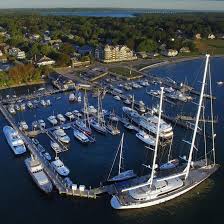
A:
[83, 126]
[80, 136]
[17, 107]
[166, 186]
[61, 135]
[141, 107]
[55, 146]
[61, 118]
[127, 101]
[14, 140]
[127, 87]
[42, 123]
[23, 126]
[98, 127]
[59, 166]
[52, 120]
[36, 171]
[146, 138]
[76, 113]
[116, 97]
[70, 116]
[177, 95]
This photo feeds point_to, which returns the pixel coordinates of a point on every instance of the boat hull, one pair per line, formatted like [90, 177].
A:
[204, 174]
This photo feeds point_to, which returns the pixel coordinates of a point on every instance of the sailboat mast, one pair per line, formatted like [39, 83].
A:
[121, 152]
[197, 118]
[212, 115]
[157, 138]
[98, 109]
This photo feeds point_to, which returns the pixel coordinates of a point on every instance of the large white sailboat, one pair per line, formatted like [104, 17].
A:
[161, 188]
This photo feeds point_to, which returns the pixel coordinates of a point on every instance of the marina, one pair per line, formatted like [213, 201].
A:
[76, 186]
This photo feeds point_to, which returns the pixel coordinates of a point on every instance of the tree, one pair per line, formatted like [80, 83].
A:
[147, 45]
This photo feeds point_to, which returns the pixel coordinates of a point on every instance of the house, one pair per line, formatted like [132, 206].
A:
[169, 52]
[85, 50]
[211, 36]
[57, 41]
[16, 52]
[117, 53]
[3, 59]
[185, 50]
[45, 61]
[34, 37]
[198, 36]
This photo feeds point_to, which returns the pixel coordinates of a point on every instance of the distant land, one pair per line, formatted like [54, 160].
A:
[100, 12]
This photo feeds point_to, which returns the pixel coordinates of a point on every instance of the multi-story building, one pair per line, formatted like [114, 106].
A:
[117, 53]
[16, 52]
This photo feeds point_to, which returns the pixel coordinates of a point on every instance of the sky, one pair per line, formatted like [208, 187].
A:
[156, 4]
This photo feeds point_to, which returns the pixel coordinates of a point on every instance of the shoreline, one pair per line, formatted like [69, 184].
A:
[24, 84]
[176, 60]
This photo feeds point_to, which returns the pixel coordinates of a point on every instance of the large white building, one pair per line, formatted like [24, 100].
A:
[16, 52]
[45, 61]
[117, 53]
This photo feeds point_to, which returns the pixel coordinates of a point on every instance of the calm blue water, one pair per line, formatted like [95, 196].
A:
[90, 164]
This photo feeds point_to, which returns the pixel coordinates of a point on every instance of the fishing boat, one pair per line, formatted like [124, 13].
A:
[14, 140]
[61, 136]
[80, 136]
[52, 119]
[61, 118]
[59, 166]
[122, 174]
[36, 171]
[161, 188]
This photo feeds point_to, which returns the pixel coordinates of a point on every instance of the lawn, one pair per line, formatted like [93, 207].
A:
[126, 72]
[213, 47]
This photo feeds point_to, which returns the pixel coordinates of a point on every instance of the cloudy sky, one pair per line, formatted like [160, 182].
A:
[164, 4]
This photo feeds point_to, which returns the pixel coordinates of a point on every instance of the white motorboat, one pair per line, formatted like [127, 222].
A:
[72, 97]
[23, 126]
[70, 116]
[11, 109]
[162, 188]
[80, 136]
[122, 174]
[43, 103]
[22, 106]
[36, 171]
[117, 98]
[47, 156]
[146, 138]
[14, 140]
[77, 113]
[59, 166]
[61, 135]
[55, 146]
[52, 120]
[61, 118]
[48, 102]
[17, 107]
[35, 124]
[42, 123]
[127, 101]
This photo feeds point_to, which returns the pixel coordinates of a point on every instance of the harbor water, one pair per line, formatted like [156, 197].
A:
[23, 202]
